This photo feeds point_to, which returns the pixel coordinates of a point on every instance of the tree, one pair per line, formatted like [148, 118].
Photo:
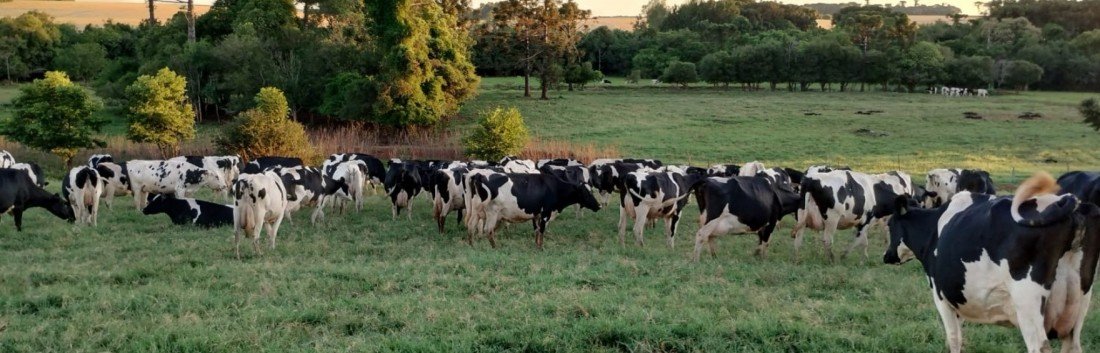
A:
[1090, 110]
[159, 112]
[1021, 73]
[544, 32]
[969, 71]
[265, 130]
[581, 75]
[54, 115]
[500, 132]
[27, 42]
[921, 64]
[82, 61]
[718, 68]
[681, 73]
[651, 62]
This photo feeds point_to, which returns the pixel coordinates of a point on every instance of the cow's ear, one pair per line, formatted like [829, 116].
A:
[901, 204]
[931, 194]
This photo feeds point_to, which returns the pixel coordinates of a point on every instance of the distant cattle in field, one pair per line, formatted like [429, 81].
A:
[82, 187]
[227, 166]
[1084, 185]
[18, 193]
[259, 165]
[1026, 261]
[34, 171]
[651, 195]
[116, 180]
[846, 199]
[95, 159]
[6, 159]
[741, 205]
[524, 197]
[259, 201]
[403, 182]
[981, 92]
[160, 177]
[188, 211]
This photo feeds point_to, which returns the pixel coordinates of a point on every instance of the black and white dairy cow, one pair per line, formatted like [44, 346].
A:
[515, 165]
[82, 188]
[559, 162]
[844, 199]
[116, 180]
[350, 176]
[188, 211]
[403, 182]
[34, 171]
[607, 178]
[519, 197]
[259, 165]
[1027, 261]
[374, 171]
[307, 186]
[18, 193]
[95, 159]
[941, 184]
[260, 200]
[6, 159]
[227, 166]
[742, 205]
[1084, 185]
[651, 195]
[724, 170]
[161, 177]
[447, 187]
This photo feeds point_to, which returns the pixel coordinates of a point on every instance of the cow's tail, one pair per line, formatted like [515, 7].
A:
[1035, 203]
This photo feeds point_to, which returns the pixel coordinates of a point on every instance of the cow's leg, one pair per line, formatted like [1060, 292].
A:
[827, 237]
[796, 233]
[237, 241]
[409, 209]
[1072, 344]
[318, 212]
[704, 235]
[1027, 297]
[437, 214]
[17, 213]
[109, 197]
[861, 239]
[952, 325]
[490, 228]
[764, 236]
[273, 230]
[394, 210]
[95, 212]
[540, 228]
[672, 224]
[139, 196]
[641, 219]
[622, 225]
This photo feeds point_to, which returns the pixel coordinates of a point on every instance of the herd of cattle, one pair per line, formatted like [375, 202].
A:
[1027, 259]
[958, 91]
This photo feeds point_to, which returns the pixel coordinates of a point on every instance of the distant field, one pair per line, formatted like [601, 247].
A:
[82, 13]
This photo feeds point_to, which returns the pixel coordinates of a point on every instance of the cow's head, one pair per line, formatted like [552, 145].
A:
[585, 198]
[157, 203]
[912, 231]
[60, 208]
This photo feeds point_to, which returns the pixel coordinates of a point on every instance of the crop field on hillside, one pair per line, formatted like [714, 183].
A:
[361, 281]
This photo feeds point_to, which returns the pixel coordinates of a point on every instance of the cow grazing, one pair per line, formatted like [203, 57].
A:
[525, 197]
[260, 201]
[654, 195]
[33, 171]
[374, 171]
[95, 159]
[18, 193]
[159, 177]
[1027, 261]
[227, 166]
[742, 205]
[513, 165]
[116, 180]
[259, 165]
[947, 182]
[448, 194]
[187, 211]
[6, 159]
[82, 188]
[403, 182]
[845, 199]
[1084, 185]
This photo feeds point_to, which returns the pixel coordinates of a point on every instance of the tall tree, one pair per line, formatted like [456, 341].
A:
[159, 112]
[55, 115]
[545, 32]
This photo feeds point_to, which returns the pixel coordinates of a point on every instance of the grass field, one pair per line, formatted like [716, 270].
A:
[364, 282]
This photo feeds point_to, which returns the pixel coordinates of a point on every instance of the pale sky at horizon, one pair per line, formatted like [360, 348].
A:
[634, 7]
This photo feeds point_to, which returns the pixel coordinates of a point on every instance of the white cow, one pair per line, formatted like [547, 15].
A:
[82, 188]
[6, 159]
[227, 166]
[982, 92]
[161, 177]
[260, 201]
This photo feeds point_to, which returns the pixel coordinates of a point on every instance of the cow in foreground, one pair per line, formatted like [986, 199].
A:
[1084, 185]
[259, 201]
[742, 205]
[82, 188]
[18, 193]
[525, 197]
[188, 211]
[845, 199]
[655, 195]
[448, 194]
[1027, 261]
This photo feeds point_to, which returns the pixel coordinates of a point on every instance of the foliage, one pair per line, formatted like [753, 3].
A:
[679, 72]
[921, 64]
[500, 132]
[265, 130]
[1021, 73]
[969, 71]
[718, 68]
[27, 43]
[581, 75]
[54, 115]
[158, 111]
[82, 61]
[635, 76]
[1090, 110]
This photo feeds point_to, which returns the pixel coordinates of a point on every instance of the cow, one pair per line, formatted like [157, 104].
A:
[560, 162]
[654, 195]
[259, 165]
[187, 211]
[161, 177]
[474, 212]
[519, 197]
[607, 178]
[515, 165]
[742, 205]
[1084, 185]
[82, 188]
[260, 200]
[227, 166]
[1026, 260]
[946, 182]
[374, 171]
[18, 193]
[95, 159]
[981, 92]
[351, 175]
[116, 180]
[448, 194]
[34, 171]
[751, 169]
[724, 170]
[403, 182]
[6, 159]
[306, 186]
[845, 199]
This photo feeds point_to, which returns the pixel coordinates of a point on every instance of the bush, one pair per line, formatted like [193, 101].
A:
[718, 68]
[499, 133]
[581, 75]
[635, 76]
[1021, 73]
[159, 112]
[83, 61]
[266, 131]
[1090, 110]
[54, 115]
[680, 72]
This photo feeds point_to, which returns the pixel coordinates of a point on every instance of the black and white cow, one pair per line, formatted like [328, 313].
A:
[306, 186]
[742, 205]
[515, 165]
[1027, 261]
[34, 171]
[652, 195]
[259, 165]
[160, 177]
[188, 211]
[1084, 185]
[607, 178]
[944, 183]
[227, 166]
[95, 159]
[403, 182]
[374, 171]
[448, 194]
[6, 159]
[560, 162]
[116, 180]
[260, 200]
[18, 193]
[724, 170]
[845, 199]
[525, 197]
[350, 175]
[82, 188]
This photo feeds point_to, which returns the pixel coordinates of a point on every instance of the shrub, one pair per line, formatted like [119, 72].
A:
[680, 72]
[1021, 73]
[266, 131]
[1090, 110]
[54, 115]
[635, 76]
[581, 75]
[499, 133]
[159, 112]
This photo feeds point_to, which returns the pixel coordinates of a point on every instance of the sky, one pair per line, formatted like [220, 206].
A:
[634, 7]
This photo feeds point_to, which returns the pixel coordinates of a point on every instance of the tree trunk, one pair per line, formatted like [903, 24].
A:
[527, 81]
[191, 21]
[152, 12]
[544, 87]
